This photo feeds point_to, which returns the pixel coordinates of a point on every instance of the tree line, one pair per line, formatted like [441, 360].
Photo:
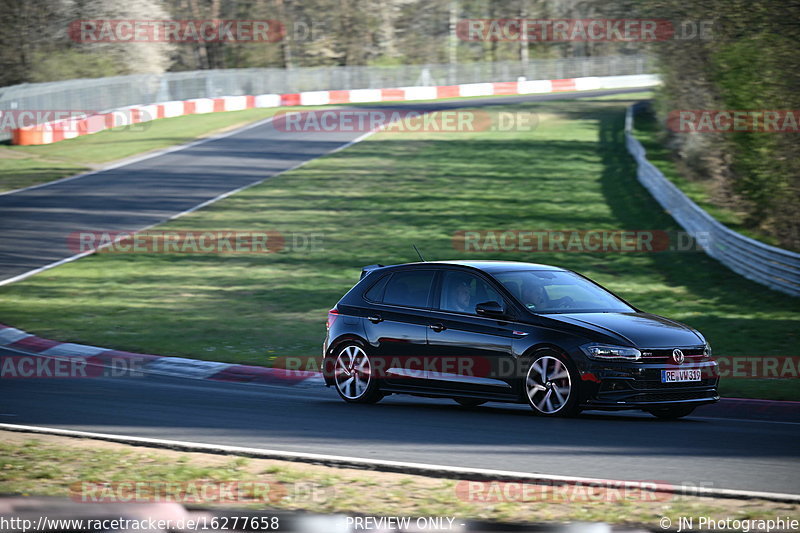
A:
[35, 43]
[749, 61]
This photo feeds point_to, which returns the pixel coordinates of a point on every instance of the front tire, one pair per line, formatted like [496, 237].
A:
[673, 412]
[551, 385]
[353, 376]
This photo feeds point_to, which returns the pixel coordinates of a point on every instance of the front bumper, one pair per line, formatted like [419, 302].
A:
[639, 386]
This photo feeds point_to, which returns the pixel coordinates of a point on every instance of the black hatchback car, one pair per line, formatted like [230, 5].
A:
[479, 331]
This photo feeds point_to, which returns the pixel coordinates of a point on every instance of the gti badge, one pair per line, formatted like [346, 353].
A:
[677, 356]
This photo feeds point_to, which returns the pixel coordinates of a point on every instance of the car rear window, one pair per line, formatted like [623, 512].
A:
[409, 289]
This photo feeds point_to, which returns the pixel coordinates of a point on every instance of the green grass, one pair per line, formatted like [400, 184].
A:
[371, 202]
[23, 166]
[56, 466]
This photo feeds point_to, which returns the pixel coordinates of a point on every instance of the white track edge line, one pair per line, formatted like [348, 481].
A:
[431, 470]
[45, 267]
[210, 201]
[143, 157]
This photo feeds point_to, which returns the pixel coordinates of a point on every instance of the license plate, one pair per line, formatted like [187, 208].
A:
[679, 376]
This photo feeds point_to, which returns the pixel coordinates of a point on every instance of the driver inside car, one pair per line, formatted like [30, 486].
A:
[460, 299]
[535, 298]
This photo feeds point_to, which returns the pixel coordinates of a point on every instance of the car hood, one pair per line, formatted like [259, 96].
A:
[642, 330]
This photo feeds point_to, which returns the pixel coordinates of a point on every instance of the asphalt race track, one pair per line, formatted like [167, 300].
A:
[717, 447]
[36, 222]
[711, 449]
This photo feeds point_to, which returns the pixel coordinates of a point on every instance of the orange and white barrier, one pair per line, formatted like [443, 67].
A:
[50, 132]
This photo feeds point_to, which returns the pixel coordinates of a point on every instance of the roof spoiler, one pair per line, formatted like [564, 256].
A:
[369, 268]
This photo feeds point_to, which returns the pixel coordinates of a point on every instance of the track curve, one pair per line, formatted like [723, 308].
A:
[37, 221]
[709, 449]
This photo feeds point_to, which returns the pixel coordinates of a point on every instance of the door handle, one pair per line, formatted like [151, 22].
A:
[437, 327]
[375, 319]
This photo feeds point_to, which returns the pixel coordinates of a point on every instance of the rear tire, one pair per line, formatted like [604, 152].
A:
[353, 376]
[469, 402]
[551, 385]
[672, 413]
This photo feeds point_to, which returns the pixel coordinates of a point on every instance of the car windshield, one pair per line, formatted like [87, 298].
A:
[557, 291]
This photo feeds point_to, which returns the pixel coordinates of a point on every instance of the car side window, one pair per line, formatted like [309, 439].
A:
[410, 289]
[461, 292]
[375, 293]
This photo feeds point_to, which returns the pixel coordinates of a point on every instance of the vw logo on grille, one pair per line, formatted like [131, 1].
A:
[677, 356]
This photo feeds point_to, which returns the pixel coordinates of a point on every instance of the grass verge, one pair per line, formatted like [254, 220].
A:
[369, 203]
[55, 466]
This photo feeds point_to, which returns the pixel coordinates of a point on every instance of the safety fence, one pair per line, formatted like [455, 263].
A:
[75, 126]
[103, 94]
[774, 267]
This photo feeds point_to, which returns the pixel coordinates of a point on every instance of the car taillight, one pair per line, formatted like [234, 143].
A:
[332, 315]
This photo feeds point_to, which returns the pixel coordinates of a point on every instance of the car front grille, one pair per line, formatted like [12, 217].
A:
[664, 355]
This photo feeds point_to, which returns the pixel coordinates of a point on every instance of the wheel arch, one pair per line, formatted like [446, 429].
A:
[545, 345]
[333, 347]
[527, 356]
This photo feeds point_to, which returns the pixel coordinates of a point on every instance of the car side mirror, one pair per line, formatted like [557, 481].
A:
[490, 309]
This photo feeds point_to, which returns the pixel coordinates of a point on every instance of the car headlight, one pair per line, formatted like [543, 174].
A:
[605, 352]
[707, 350]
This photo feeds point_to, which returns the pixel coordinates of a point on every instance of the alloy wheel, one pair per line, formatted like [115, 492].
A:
[548, 385]
[352, 372]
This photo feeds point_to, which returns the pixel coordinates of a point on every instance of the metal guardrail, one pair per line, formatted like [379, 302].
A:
[774, 267]
[101, 94]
